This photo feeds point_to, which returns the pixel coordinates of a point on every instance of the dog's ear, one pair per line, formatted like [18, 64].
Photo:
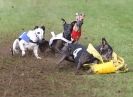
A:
[104, 42]
[73, 23]
[64, 22]
[43, 27]
[36, 27]
[83, 14]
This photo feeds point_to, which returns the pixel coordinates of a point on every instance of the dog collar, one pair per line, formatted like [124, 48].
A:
[33, 42]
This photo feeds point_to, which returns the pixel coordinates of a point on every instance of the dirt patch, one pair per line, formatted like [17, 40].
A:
[29, 77]
[5, 49]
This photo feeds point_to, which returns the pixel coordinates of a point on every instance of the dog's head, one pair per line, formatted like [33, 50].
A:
[105, 50]
[39, 32]
[79, 19]
[67, 29]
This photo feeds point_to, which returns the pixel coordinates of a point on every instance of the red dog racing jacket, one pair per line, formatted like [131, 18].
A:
[75, 35]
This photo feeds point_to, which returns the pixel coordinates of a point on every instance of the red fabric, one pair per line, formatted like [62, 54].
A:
[75, 35]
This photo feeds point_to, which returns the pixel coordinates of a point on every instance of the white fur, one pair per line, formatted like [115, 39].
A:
[22, 45]
[58, 36]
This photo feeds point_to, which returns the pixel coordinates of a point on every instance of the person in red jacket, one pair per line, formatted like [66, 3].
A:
[76, 32]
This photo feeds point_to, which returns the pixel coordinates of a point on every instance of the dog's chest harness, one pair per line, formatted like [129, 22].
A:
[26, 38]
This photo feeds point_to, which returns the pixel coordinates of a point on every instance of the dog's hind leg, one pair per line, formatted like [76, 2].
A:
[21, 45]
[78, 67]
[15, 47]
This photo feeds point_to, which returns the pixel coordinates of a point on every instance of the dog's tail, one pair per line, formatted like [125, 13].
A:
[53, 34]
[64, 22]
[11, 50]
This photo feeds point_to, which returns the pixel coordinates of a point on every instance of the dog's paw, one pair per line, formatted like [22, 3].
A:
[23, 53]
[89, 72]
[39, 58]
[77, 72]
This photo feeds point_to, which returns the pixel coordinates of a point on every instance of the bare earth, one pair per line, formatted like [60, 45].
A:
[29, 77]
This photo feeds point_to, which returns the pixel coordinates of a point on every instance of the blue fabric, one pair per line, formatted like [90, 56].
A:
[24, 37]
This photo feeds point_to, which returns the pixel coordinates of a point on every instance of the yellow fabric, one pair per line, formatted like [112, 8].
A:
[119, 63]
[103, 68]
[94, 52]
[116, 65]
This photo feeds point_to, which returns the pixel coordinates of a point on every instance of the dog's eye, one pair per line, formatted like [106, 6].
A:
[38, 32]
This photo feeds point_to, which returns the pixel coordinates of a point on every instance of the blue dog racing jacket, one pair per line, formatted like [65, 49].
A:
[24, 37]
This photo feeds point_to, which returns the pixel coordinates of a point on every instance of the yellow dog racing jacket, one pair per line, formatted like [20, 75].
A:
[115, 65]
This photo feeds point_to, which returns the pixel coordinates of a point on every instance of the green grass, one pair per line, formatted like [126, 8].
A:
[111, 19]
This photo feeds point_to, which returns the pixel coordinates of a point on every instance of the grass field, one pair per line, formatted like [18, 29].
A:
[28, 77]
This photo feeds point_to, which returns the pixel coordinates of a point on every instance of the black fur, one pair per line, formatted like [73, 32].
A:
[43, 45]
[43, 27]
[36, 27]
[84, 57]
[81, 56]
[67, 29]
[105, 50]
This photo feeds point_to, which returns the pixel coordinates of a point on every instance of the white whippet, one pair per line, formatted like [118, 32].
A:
[29, 41]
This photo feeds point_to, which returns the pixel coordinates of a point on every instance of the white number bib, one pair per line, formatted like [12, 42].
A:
[76, 52]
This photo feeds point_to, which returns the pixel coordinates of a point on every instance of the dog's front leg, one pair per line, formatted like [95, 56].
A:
[35, 51]
[63, 57]
[78, 67]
